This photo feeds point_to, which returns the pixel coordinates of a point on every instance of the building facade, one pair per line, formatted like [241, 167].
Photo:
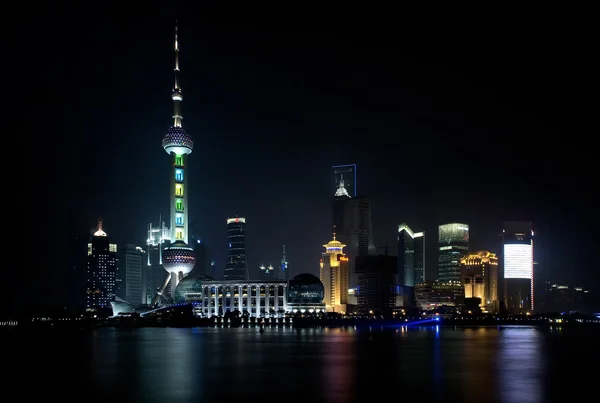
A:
[479, 274]
[453, 245]
[101, 272]
[434, 294]
[419, 247]
[305, 295]
[236, 267]
[334, 276]
[130, 269]
[250, 298]
[376, 290]
[517, 240]
[406, 256]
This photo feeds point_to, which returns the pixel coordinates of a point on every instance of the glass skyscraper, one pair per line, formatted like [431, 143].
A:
[453, 245]
[236, 267]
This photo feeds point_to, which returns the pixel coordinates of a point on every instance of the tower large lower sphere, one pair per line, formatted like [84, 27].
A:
[179, 260]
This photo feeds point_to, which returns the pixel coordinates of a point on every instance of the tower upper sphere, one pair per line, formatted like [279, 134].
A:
[177, 141]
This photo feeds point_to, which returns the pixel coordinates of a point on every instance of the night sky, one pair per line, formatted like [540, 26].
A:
[448, 118]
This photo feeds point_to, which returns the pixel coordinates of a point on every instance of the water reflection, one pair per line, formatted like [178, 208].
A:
[520, 365]
[478, 349]
[309, 365]
[338, 366]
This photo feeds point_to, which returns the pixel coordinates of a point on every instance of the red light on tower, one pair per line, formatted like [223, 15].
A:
[237, 220]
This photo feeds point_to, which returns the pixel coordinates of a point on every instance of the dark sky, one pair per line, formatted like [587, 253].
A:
[449, 117]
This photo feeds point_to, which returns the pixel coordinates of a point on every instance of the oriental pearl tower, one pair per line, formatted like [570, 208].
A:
[178, 258]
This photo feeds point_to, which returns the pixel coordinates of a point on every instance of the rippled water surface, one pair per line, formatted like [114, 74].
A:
[311, 365]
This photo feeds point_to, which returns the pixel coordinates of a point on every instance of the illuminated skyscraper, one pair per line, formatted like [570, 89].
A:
[517, 239]
[101, 271]
[479, 274]
[236, 267]
[411, 256]
[130, 268]
[334, 276]
[453, 244]
[178, 258]
[344, 180]
[351, 216]
[419, 244]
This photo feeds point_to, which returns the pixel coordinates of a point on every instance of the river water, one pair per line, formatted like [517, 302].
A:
[310, 365]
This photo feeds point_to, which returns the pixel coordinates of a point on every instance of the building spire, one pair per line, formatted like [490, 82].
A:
[99, 232]
[334, 232]
[176, 95]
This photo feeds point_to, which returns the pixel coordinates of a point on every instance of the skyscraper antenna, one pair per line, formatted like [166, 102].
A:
[176, 95]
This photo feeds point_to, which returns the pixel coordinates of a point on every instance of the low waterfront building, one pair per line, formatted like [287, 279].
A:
[248, 297]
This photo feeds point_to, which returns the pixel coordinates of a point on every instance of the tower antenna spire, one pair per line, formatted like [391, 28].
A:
[334, 232]
[176, 96]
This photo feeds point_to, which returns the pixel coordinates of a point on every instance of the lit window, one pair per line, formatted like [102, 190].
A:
[179, 189]
[179, 234]
[179, 174]
[179, 204]
[178, 219]
[179, 160]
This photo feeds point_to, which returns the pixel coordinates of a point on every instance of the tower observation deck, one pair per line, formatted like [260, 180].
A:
[178, 258]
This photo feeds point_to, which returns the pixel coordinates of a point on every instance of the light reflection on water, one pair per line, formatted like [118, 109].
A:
[520, 365]
[310, 365]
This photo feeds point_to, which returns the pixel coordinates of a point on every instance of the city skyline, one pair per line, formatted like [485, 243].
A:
[418, 164]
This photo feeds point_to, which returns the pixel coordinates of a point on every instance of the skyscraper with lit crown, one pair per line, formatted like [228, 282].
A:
[236, 267]
[334, 276]
[178, 258]
[101, 271]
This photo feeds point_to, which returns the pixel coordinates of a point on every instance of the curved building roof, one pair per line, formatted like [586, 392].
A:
[189, 288]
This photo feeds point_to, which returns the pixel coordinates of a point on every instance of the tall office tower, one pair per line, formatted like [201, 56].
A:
[406, 256]
[101, 271]
[453, 243]
[479, 274]
[419, 244]
[411, 256]
[351, 216]
[178, 258]
[202, 259]
[130, 268]
[200, 249]
[517, 240]
[236, 267]
[344, 180]
[154, 274]
[376, 276]
[356, 231]
[334, 276]
[283, 266]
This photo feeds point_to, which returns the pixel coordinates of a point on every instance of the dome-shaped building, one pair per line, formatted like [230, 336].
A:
[305, 294]
[189, 288]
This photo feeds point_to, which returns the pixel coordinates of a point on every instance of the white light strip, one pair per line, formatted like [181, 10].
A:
[237, 219]
[518, 261]
[406, 228]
